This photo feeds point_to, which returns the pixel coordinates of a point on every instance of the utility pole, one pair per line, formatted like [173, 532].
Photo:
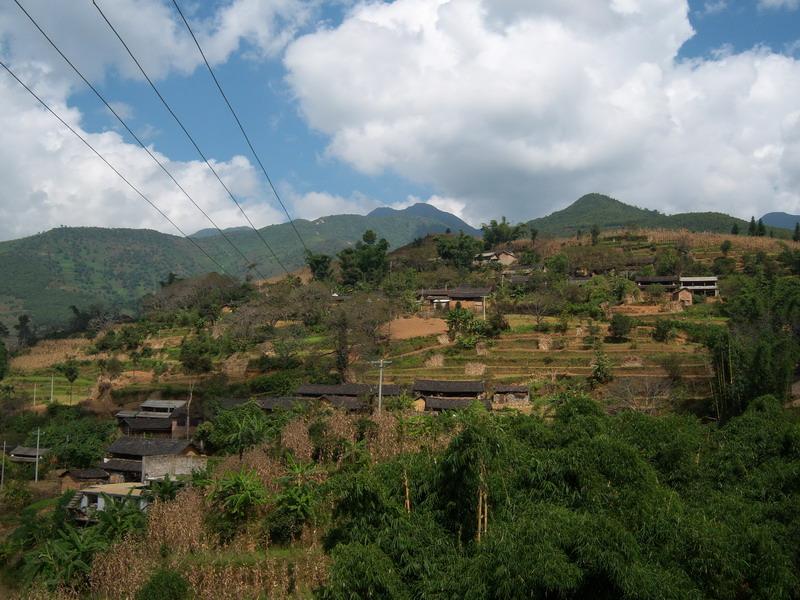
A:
[36, 470]
[34, 395]
[51, 389]
[380, 364]
[188, 408]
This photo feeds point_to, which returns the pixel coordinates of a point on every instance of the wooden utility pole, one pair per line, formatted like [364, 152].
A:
[34, 395]
[189, 408]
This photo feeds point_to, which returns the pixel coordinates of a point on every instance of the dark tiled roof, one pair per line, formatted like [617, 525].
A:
[26, 451]
[351, 403]
[342, 389]
[281, 402]
[510, 389]
[436, 403]
[433, 386]
[91, 473]
[457, 293]
[148, 424]
[392, 389]
[667, 279]
[122, 464]
[137, 446]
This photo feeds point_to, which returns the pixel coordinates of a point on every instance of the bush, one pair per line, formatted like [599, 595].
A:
[164, 584]
[621, 326]
[664, 331]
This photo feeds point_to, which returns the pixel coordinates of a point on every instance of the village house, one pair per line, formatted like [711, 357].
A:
[318, 390]
[510, 396]
[124, 462]
[25, 454]
[505, 258]
[157, 419]
[707, 285]
[86, 503]
[668, 283]
[442, 299]
[439, 395]
[683, 297]
[78, 479]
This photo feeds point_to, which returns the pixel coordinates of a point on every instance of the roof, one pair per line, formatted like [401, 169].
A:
[703, 278]
[342, 389]
[392, 389]
[451, 387]
[122, 464]
[511, 389]
[457, 293]
[116, 489]
[171, 404]
[28, 452]
[666, 279]
[91, 473]
[435, 403]
[124, 414]
[148, 424]
[347, 402]
[280, 402]
[137, 446]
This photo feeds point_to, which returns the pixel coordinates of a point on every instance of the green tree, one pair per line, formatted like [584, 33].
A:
[70, 370]
[164, 584]
[3, 360]
[752, 229]
[761, 229]
[796, 234]
[238, 429]
[735, 229]
[725, 247]
[196, 353]
[320, 265]
[25, 335]
[366, 262]
[601, 368]
[458, 251]
[595, 231]
[235, 498]
[533, 233]
[500, 232]
[620, 326]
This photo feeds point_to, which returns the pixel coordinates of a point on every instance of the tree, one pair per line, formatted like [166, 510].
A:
[500, 232]
[458, 251]
[735, 229]
[237, 429]
[320, 265]
[366, 262]
[70, 371]
[751, 228]
[796, 234]
[761, 229]
[601, 368]
[195, 353]
[3, 360]
[164, 584]
[25, 335]
[595, 234]
[725, 247]
[235, 498]
[620, 326]
[533, 233]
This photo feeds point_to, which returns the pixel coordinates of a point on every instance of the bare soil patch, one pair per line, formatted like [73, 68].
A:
[404, 328]
[47, 353]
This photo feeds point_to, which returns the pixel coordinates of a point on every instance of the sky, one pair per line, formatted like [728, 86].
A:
[481, 107]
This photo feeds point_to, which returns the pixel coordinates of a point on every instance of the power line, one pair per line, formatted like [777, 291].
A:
[239, 123]
[130, 131]
[110, 166]
[188, 135]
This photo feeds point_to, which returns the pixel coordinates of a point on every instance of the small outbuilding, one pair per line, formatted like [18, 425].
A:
[78, 479]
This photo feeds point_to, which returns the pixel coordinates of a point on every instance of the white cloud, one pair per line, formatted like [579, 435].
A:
[50, 178]
[779, 4]
[512, 107]
[713, 7]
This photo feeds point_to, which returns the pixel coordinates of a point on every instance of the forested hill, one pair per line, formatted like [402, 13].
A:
[608, 213]
[44, 274]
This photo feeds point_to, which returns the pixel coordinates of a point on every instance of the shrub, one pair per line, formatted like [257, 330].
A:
[664, 331]
[621, 326]
[164, 584]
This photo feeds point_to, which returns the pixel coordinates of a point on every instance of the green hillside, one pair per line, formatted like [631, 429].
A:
[608, 213]
[44, 274]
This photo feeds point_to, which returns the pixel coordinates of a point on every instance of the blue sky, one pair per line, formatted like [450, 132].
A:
[352, 106]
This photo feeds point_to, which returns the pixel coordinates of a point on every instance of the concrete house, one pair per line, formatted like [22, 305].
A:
[85, 504]
[124, 462]
[442, 299]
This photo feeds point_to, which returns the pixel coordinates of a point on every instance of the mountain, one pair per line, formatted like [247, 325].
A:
[428, 211]
[44, 274]
[210, 232]
[781, 219]
[608, 213]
